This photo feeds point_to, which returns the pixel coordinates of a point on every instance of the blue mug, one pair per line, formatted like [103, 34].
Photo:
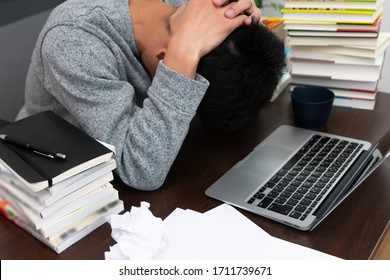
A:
[311, 105]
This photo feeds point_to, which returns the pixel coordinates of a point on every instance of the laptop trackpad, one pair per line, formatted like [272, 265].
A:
[265, 160]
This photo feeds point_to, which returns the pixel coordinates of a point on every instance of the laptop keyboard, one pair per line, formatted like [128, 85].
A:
[301, 184]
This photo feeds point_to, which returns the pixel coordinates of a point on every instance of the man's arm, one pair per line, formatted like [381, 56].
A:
[82, 73]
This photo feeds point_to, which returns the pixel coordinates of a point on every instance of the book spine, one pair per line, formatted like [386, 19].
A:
[330, 11]
[76, 202]
[80, 229]
[11, 212]
[22, 197]
[61, 224]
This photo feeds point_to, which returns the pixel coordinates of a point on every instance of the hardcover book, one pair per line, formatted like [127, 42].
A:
[51, 131]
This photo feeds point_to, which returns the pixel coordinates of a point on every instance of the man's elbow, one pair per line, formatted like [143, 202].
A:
[143, 183]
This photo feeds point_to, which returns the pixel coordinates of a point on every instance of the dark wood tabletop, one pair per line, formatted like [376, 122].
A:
[350, 232]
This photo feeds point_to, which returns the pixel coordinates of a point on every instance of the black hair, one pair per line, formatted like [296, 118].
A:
[243, 73]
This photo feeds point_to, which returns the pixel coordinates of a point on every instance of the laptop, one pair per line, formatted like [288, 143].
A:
[298, 176]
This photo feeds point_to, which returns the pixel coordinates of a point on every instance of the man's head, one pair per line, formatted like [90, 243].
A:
[243, 70]
[243, 73]
[150, 19]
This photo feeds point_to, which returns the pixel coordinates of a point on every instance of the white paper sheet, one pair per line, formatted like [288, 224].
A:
[224, 233]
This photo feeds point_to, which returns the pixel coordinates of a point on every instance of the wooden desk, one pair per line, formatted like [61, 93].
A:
[350, 232]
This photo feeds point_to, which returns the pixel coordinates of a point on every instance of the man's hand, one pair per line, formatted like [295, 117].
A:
[246, 7]
[197, 28]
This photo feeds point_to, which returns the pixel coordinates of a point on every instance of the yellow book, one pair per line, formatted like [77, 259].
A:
[332, 15]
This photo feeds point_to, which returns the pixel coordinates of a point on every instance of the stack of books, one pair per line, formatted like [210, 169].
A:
[55, 180]
[338, 45]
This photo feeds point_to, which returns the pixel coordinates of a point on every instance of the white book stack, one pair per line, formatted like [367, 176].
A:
[76, 199]
[61, 218]
[338, 45]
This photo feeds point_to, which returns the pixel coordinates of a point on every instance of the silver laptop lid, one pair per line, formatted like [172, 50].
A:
[380, 153]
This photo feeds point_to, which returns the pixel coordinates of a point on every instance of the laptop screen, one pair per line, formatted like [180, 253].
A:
[381, 150]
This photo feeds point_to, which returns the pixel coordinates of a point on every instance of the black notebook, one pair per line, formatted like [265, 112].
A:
[48, 130]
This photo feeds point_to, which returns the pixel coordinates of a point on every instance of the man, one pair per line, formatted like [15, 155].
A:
[125, 71]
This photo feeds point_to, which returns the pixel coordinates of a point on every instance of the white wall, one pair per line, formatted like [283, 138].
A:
[269, 11]
[384, 84]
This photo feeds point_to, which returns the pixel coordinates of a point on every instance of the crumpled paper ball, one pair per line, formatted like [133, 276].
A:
[139, 235]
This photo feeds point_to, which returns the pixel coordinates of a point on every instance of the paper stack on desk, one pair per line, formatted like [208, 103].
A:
[222, 233]
[225, 233]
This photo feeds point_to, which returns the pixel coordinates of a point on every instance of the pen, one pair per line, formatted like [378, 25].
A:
[38, 150]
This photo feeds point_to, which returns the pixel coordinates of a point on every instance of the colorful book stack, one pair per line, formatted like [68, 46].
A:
[57, 200]
[337, 44]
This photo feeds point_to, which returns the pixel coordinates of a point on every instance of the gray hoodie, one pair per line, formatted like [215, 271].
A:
[86, 68]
